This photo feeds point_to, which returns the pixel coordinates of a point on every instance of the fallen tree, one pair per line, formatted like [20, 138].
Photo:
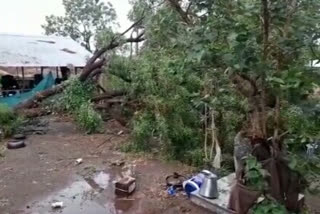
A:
[91, 69]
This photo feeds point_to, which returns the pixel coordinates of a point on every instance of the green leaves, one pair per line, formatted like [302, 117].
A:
[87, 118]
[269, 207]
[9, 122]
[254, 174]
[76, 101]
[83, 21]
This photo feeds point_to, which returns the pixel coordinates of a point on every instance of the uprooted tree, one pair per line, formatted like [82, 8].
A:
[92, 68]
[209, 69]
[206, 57]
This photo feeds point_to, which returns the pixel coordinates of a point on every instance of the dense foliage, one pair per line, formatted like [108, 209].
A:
[209, 69]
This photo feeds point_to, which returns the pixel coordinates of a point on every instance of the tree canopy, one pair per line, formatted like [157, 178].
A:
[83, 21]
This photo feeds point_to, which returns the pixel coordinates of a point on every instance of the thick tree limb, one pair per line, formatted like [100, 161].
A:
[93, 65]
[95, 73]
[40, 96]
[108, 95]
[90, 68]
[107, 103]
[101, 88]
[113, 44]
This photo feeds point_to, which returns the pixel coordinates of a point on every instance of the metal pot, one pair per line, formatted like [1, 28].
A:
[209, 187]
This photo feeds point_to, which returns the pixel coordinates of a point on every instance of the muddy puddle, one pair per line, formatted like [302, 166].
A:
[94, 194]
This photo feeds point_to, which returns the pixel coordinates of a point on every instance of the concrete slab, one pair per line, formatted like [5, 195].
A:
[220, 204]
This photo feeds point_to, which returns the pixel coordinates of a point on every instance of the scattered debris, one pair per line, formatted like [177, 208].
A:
[4, 202]
[175, 180]
[120, 132]
[125, 186]
[120, 162]
[57, 205]
[184, 210]
[79, 161]
[172, 190]
[129, 170]
[33, 126]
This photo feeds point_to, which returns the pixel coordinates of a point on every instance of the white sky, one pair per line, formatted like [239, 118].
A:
[27, 16]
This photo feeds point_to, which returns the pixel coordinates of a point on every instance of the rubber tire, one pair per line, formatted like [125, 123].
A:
[16, 144]
[19, 137]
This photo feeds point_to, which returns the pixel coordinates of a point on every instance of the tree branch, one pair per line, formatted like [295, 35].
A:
[108, 95]
[95, 73]
[113, 44]
[175, 4]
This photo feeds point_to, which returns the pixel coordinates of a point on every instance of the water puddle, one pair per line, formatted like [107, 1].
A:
[90, 195]
[102, 179]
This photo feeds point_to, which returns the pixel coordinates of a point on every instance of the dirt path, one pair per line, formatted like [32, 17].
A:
[43, 172]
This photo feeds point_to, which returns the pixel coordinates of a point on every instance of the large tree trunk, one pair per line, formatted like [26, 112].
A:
[93, 66]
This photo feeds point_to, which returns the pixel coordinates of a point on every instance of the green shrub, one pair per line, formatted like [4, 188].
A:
[194, 157]
[55, 103]
[76, 94]
[269, 207]
[75, 100]
[9, 122]
[87, 118]
[6, 115]
[143, 128]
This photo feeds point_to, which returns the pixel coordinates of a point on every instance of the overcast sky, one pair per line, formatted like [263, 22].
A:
[27, 16]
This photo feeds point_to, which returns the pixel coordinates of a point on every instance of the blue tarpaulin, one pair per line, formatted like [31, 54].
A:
[46, 83]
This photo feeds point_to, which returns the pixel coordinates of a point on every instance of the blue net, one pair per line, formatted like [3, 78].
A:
[46, 83]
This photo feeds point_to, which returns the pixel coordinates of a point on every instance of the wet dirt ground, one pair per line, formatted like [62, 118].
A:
[45, 171]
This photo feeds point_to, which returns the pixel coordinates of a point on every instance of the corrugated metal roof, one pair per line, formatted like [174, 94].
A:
[37, 51]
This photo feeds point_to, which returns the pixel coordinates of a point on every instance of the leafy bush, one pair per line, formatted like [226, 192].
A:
[194, 157]
[87, 118]
[9, 122]
[254, 174]
[143, 130]
[269, 207]
[6, 115]
[75, 100]
[303, 124]
[76, 94]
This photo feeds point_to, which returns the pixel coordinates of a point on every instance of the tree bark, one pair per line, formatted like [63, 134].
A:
[108, 95]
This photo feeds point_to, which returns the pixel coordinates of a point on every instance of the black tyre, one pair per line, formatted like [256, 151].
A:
[16, 144]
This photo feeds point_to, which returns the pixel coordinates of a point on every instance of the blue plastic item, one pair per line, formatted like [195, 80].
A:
[172, 191]
[193, 184]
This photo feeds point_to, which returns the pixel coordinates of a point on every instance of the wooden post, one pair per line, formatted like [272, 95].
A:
[57, 72]
[23, 86]
[42, 68]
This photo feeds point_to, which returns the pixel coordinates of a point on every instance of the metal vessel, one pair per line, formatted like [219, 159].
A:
[209, 187]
